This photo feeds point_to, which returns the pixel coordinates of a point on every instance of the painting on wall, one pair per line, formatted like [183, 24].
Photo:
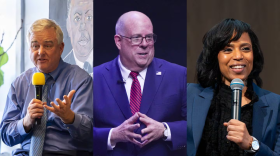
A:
[76, 20]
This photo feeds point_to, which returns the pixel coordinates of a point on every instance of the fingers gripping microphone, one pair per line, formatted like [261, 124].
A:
[38, 80]
[236, 86]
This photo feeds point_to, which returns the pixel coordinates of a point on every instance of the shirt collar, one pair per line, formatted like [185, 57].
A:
[81, 64]
[125, 72]
[55, 74]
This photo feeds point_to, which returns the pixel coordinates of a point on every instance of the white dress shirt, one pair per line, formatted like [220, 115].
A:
[127, 79]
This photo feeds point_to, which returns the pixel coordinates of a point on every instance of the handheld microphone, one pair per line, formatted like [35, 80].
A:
[236, 86]
[38, 80]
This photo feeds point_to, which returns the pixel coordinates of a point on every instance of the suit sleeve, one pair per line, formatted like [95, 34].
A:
[179, 128]
[265, 150]
[100, 140]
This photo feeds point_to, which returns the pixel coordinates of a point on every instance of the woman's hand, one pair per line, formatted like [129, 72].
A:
[238, 133]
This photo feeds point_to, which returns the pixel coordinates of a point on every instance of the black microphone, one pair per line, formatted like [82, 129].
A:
[236, 86]
[38, 80]
[121, 82]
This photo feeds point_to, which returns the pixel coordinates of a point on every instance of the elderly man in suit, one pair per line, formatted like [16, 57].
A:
[139, 100]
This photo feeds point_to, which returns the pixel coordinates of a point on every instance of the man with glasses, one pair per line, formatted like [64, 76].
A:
[139, 100]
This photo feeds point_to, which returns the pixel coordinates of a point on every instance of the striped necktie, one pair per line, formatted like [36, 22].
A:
[38, 136]
[135, 94]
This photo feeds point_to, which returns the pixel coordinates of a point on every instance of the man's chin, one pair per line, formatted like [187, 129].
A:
[82, 53]
[82, 58]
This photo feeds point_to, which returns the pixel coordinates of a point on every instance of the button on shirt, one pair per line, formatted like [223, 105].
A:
[59, 136]
[128, 82]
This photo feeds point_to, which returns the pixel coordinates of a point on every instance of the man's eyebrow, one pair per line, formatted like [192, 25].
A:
[34, 41]
[88, 11]
[48, 41]
[78, 13]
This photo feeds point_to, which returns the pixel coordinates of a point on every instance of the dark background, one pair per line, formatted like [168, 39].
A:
[264, 18]
[168, 18]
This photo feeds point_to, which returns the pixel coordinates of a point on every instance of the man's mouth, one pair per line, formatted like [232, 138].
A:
[83, 40]
[41, 59]
[142, 53]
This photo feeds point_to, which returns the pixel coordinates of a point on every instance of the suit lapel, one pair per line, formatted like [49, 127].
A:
[260, 115]
[201, 106]
[112, 76]
[151, 85]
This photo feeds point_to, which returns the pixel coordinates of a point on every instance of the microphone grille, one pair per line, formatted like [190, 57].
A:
[237, 84]
[38, 79]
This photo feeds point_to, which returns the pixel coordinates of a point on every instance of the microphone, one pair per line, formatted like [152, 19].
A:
[236, 86]
[38, 80]
[120, 81]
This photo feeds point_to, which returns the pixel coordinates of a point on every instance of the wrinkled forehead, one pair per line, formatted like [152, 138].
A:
[138, 26]
[45, 35]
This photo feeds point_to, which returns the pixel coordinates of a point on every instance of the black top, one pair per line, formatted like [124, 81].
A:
[214, 141]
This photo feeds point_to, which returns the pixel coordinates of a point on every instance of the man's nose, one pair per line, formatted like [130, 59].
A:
[144, 42]
[82, 26]
[41, 50]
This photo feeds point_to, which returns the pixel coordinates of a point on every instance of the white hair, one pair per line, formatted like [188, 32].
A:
[43, 24]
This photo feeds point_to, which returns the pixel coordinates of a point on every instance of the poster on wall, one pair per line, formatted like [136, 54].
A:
[76, 20]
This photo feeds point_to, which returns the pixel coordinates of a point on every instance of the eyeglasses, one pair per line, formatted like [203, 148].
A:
[137, 40]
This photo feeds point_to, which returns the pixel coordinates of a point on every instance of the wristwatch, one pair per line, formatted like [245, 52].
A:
[255, 146]
[165, 132]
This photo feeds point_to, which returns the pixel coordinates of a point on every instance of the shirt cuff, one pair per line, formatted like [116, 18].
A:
[168, 132]
[75, 125]
[20, 128]
[109, 145]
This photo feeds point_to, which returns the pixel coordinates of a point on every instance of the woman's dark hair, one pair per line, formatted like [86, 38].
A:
[216, 39]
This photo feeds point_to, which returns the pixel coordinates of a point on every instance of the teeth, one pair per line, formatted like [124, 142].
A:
[237, 67]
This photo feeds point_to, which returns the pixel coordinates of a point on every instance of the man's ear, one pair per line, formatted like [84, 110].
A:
[61, 48]
[118, 39]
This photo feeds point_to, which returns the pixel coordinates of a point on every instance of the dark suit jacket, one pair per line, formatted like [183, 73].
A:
[163, 99]
[266, 118]
[70, 58]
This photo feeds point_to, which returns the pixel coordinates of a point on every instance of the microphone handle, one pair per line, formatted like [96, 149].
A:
[38, 95]
[236, 104]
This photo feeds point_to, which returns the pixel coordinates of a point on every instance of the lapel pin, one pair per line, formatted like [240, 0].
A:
[158, 73]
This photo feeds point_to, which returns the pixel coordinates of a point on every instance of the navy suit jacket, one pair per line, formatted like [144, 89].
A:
[163, 99]
[266, 118]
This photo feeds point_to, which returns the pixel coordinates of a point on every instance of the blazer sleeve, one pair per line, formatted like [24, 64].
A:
[266, 150]
[100, 136]
[179, 128]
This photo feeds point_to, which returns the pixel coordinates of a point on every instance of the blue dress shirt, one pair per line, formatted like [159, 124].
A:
[59, 136]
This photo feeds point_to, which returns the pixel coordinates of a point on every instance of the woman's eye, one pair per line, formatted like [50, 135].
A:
[246, 48]
[227, 50]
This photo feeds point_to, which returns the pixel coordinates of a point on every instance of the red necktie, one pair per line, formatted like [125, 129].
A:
[135, 94]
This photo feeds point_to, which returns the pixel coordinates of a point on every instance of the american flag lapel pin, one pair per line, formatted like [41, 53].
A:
[158, 73]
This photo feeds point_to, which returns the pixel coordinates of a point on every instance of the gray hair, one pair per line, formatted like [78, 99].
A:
[45, 23]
